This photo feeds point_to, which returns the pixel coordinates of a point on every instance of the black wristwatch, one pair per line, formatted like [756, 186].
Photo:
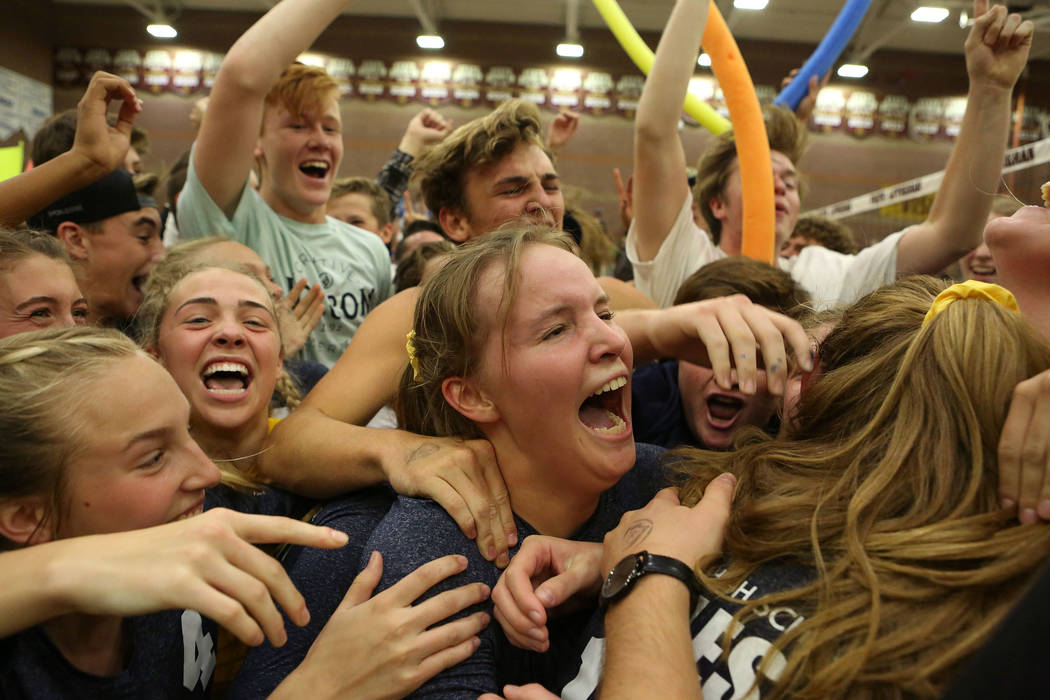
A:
[632, 567]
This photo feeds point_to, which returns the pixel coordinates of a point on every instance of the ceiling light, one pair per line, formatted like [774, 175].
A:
[929, 14]
[569, 50]
[750, 4]
[430, 41]
[162, 31]
[852, 70]
[704, 60]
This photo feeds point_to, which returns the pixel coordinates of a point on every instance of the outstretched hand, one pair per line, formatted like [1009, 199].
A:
[664, 526]
[733, 332]
[532, 691]
[997, 46]
[95, 139]
[208, 563]
[808, 103]
[1024, 451]
[624, 193]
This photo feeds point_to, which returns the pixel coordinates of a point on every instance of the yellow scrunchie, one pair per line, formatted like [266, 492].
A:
[412, 359]
[970, 289]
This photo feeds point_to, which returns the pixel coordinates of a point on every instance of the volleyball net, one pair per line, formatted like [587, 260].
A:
[877, 214]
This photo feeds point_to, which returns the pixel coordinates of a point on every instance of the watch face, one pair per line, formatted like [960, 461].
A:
[621, 576]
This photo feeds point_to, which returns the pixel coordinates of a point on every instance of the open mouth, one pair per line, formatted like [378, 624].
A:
[317, 169]
[226, 378]
[192, 512]
[138, 281]
[723, 411]
[603, 411]
[982, 271]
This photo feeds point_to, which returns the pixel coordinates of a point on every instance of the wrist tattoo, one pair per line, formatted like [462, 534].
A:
[637, 532]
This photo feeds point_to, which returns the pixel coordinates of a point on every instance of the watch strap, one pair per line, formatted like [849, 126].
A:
[647, 563]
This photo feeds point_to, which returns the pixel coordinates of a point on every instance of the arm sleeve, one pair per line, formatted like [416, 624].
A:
[199, 216]
[394, 176]
[686, 249]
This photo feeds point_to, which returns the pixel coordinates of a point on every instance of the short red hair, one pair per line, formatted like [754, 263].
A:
[301, 88]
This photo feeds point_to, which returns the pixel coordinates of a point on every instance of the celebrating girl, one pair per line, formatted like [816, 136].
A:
[216, 331]
[83, 456]
[514, 342]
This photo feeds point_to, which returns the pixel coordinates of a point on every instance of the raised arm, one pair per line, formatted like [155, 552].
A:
[98, 149]
[996, 52]
[223, 156]
[660, 184]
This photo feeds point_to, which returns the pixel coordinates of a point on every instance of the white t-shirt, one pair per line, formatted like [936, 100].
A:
[351, 264]
[831, 278]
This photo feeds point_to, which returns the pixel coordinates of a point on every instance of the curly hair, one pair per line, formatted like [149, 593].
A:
[833, 235]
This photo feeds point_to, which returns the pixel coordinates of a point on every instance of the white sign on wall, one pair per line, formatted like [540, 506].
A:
[24, 103]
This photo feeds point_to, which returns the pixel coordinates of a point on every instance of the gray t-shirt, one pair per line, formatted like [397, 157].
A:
[352, 265]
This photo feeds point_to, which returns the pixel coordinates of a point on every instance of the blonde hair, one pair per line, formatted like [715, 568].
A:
[167, 275]
[45, 383]
[887, 489]
[450, 329]
[442, 170]
[596, 249]
[17, 245]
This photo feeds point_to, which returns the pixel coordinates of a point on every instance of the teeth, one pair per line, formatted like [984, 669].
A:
[226, 367]
[611, 385]
[617, 426]
[315, 164]
[191, 514]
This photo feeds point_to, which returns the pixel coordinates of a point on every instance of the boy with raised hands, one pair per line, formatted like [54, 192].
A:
[665, 246]
[287, 116]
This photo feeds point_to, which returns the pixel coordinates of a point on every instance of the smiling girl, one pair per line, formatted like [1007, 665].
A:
[84, 456]
[37, 286]
[215, 330]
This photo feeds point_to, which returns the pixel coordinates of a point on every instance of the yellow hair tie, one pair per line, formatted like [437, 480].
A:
[971, 289]
[412, 359]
